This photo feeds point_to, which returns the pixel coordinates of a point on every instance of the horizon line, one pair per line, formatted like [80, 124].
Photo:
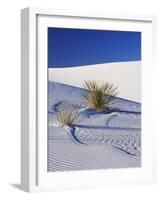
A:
[93, 64]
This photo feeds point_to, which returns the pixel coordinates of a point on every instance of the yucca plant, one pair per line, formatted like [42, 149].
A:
[98, 95]
[67, 117]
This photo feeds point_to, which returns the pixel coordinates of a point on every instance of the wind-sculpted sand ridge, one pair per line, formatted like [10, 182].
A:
[99, 140]
[129, 143]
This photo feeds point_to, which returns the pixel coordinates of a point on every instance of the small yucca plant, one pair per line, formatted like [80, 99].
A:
[67, 117]
[98, 95]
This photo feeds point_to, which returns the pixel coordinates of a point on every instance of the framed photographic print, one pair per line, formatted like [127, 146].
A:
[86, 99]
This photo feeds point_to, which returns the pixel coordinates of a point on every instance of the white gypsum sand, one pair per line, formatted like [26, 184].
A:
[125, 75]
[99, 140]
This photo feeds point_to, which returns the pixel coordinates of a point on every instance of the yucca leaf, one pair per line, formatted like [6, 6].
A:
[99, 96]
[67, 117]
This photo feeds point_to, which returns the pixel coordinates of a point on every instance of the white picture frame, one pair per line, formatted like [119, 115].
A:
[34, 175]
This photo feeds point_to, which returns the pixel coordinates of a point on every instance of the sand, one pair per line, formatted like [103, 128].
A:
[99, 140]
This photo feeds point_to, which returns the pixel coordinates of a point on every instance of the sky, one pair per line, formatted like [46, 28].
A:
[78, 47]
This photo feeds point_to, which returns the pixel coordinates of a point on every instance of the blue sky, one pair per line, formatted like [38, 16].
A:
[76, 47]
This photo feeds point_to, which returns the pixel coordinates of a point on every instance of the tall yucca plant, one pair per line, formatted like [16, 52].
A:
[98, 95]
[67, 117]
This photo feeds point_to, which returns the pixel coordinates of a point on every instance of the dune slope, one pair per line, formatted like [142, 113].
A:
[125, 75]
[99, 140]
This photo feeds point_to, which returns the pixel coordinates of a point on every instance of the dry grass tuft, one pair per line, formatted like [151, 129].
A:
[67, 117]
[99, 96]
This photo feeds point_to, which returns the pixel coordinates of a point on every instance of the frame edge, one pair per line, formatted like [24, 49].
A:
[28, 83]
[28, 100]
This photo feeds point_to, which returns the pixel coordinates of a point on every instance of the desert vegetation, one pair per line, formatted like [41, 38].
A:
[99, 96]
[67, 117]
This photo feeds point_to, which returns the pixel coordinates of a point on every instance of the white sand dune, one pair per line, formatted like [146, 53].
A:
[67, 154]
[99, 140]
[125, 75]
